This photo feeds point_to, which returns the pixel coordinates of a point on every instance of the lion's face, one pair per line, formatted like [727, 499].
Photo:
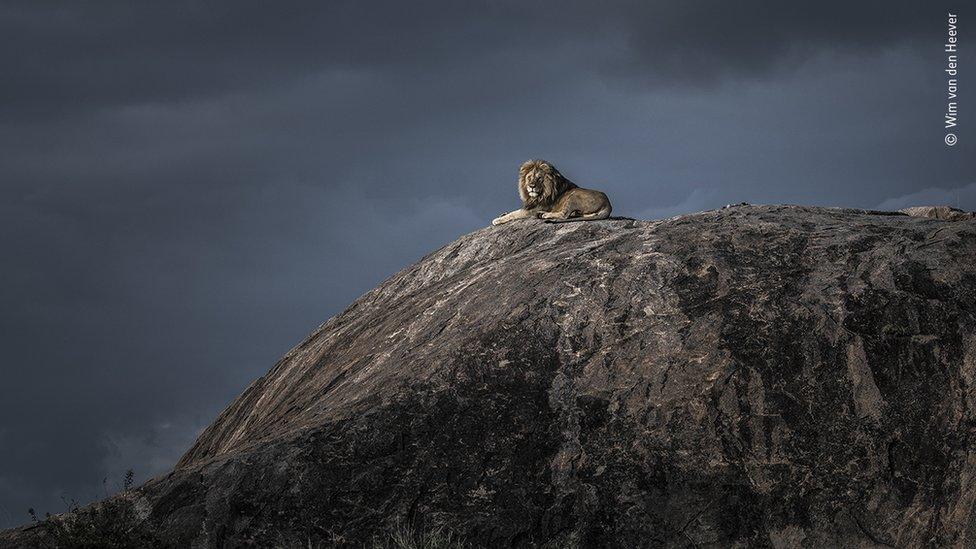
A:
[540, 183]
[534, 185]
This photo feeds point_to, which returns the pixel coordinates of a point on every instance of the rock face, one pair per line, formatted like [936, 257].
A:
[945, 213]
[753, 376]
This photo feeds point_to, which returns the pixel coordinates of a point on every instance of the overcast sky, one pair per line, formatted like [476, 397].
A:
[189, 188]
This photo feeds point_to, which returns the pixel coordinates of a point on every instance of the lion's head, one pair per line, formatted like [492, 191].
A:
[540, 183]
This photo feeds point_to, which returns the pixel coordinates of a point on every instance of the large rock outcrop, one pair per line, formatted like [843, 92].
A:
[754, 376]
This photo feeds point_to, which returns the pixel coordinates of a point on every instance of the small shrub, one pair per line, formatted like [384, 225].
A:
[402, 536]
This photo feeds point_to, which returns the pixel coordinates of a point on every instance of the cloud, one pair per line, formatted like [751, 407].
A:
[698, 200]
[148, 453]
[701, 43]
[963, 198]
[67, 59]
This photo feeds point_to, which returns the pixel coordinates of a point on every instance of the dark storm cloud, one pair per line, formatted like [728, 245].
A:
[700, 43]
[190, 187]
[71, 57]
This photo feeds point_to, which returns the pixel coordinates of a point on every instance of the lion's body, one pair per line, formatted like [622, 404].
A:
[579, 203]
[546, 194]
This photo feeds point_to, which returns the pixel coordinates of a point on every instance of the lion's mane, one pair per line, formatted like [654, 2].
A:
[553, 183]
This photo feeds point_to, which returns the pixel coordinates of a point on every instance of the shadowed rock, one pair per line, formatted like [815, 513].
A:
[759, 375]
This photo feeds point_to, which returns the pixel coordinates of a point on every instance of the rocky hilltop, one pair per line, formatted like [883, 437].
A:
[754, 376]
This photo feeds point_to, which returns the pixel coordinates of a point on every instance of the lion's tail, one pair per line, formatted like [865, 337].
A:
[602, 213]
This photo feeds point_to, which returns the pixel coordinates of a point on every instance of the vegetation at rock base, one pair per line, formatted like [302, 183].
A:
[113, 523]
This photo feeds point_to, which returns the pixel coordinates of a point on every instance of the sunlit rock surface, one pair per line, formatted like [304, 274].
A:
[945, 213]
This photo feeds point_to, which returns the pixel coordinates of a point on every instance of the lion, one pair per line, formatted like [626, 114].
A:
[546, 194]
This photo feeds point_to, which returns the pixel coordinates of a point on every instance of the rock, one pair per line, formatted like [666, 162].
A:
[753, 376]
[944, 213]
